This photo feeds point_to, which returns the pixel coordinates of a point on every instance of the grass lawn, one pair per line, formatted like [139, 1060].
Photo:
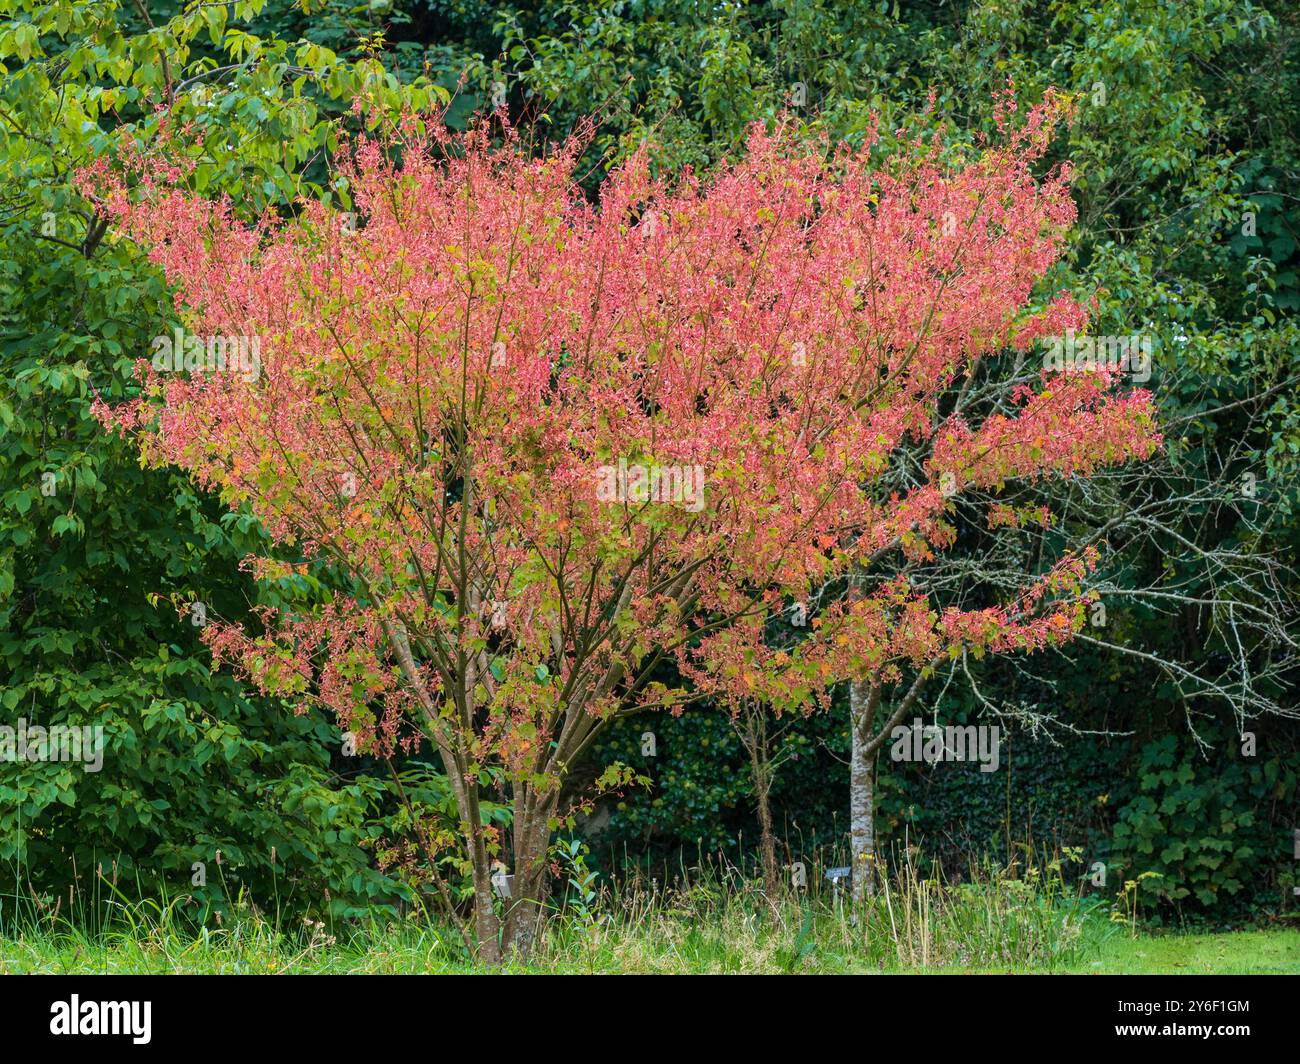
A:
[664, 946]
[1241, 953]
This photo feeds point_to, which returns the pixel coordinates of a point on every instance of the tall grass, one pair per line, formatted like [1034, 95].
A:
[1019, 917]
[712, 916]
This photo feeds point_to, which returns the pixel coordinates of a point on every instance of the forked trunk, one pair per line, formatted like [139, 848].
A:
[526, 907]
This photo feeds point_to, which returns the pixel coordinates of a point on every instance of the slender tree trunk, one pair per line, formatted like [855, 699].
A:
[862, 824]
[771, 871]
[752, 729]
[487, 926]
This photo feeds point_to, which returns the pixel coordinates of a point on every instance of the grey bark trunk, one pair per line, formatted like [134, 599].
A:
[862, 824]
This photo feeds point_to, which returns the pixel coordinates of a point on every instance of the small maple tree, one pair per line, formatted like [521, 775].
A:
[572, 458]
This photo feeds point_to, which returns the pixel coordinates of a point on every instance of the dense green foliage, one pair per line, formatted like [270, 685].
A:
[1185, 147]
[98, 557]
[1213, 824]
